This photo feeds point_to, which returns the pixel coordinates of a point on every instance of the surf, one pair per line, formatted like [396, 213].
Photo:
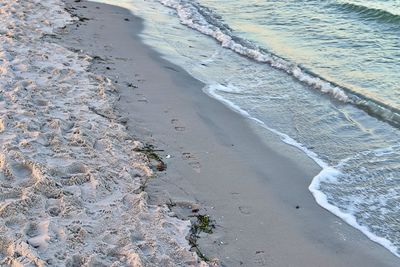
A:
[204, 20]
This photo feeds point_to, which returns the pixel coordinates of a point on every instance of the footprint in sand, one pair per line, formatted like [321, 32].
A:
[55, 207]
[18, 173]
[108, 48]
[37, 234]
[21, 171]
[177, 125]
[260, 259]
[192, 161]
[245, 210]
[142, 98]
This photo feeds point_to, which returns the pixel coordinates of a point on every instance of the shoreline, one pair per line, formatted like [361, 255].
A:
[184, 24]
[186, 124]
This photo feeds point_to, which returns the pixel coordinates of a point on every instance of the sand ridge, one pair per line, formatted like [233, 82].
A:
[70, 178]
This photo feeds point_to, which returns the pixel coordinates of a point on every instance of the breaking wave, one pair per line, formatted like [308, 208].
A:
[204, 20]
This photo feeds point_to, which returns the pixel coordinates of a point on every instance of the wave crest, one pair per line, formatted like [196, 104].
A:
[369, 13]
[204, 20]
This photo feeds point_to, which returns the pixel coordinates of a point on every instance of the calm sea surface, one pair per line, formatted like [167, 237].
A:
[323, 75]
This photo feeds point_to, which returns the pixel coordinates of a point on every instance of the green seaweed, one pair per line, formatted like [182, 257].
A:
[203, 224]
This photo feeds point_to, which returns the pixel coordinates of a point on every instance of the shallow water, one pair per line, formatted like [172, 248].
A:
[305, 70]
[352, 43]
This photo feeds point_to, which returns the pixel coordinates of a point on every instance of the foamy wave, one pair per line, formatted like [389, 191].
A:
[205, 21]
[328, 174]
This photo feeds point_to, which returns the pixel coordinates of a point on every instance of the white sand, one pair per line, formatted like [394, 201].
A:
[70, 180]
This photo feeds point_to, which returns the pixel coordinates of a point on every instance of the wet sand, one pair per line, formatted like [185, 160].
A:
[254, 188]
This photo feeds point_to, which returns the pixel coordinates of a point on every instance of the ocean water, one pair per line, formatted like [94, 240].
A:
[322, 75]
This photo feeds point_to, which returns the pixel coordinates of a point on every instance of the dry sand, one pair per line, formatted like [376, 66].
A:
[250, 186]
[71, 179]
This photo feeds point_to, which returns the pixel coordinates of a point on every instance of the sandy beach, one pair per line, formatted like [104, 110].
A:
[71, 179]
[82, 101]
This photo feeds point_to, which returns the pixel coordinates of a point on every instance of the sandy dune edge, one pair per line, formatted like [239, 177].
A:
[70, 178]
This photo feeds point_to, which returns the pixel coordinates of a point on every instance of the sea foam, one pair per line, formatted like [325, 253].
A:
[204, 20]
[198, 17]
[328, 174]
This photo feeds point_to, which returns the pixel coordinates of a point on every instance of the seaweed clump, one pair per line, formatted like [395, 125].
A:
[203, 224]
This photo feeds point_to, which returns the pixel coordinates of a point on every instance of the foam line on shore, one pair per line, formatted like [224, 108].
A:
[204, 20]
[327, 174]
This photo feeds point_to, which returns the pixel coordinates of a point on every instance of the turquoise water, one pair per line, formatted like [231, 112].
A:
[322, 75]
[355, 44]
